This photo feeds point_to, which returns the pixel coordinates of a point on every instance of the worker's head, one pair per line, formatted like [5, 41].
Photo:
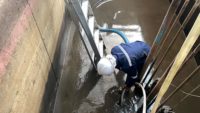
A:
[106, 65]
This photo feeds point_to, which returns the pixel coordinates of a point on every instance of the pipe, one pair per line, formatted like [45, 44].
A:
[167, 22]
[151, 103]
[120, 33]
[181, 56]
[122, 97]
[144, 99]
[192, 54]
[156, 88]
[181, 85]
[165, 38]
[173, 40]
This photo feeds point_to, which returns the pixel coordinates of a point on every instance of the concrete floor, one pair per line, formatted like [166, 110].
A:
[83, 91]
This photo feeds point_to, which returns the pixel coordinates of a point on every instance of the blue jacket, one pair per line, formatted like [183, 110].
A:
[130, 59]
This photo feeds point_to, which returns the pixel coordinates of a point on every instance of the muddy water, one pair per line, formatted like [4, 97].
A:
[147, 15]
[86, 92]
[82, 90]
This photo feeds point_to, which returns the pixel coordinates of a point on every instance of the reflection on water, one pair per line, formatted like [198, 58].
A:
[133, 32]
[115, 16]
[101, 2]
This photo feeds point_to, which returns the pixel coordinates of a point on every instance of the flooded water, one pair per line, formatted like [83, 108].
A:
[81, 89]
[129, 15]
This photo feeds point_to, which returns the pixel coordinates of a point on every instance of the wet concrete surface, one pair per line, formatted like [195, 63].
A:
[81, 89]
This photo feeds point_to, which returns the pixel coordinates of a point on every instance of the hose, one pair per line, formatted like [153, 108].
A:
[120, 33]
[122, 97]
[144, 99]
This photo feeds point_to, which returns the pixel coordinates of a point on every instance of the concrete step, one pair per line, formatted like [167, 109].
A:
[91, 24]
[84, 7]
[101, 48]
[96, 37]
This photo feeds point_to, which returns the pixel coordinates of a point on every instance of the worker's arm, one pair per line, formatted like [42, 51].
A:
[131, 81]
[132, 76]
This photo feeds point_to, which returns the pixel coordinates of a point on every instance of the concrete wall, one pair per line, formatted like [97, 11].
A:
[29, 36]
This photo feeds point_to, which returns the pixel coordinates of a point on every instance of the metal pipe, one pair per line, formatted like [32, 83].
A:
[148, 71]
[188, 58]
[151, 103]
[176, 35]
[176, 20]
[154, 91]
[88, 52]
[75, 19]
[76, 8]
[180, 58]
[164, 26]
[144, 97]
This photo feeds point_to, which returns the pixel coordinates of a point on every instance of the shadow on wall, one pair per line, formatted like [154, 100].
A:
[47, 105]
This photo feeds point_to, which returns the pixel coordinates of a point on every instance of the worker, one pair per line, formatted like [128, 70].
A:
[127, 57]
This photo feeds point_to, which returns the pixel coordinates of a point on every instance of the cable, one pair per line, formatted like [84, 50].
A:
[120, 33]
[144, 99]
[188, 94]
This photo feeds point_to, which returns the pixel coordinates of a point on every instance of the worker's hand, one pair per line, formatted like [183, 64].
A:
[124, 87]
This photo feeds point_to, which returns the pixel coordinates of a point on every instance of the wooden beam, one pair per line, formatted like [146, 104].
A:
[167, 22]
[184, 51]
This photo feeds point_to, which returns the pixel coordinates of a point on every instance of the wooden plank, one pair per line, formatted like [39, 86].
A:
[161, 33]
[184, 51]
[181, 85]
[173, 40]
[156, 89]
